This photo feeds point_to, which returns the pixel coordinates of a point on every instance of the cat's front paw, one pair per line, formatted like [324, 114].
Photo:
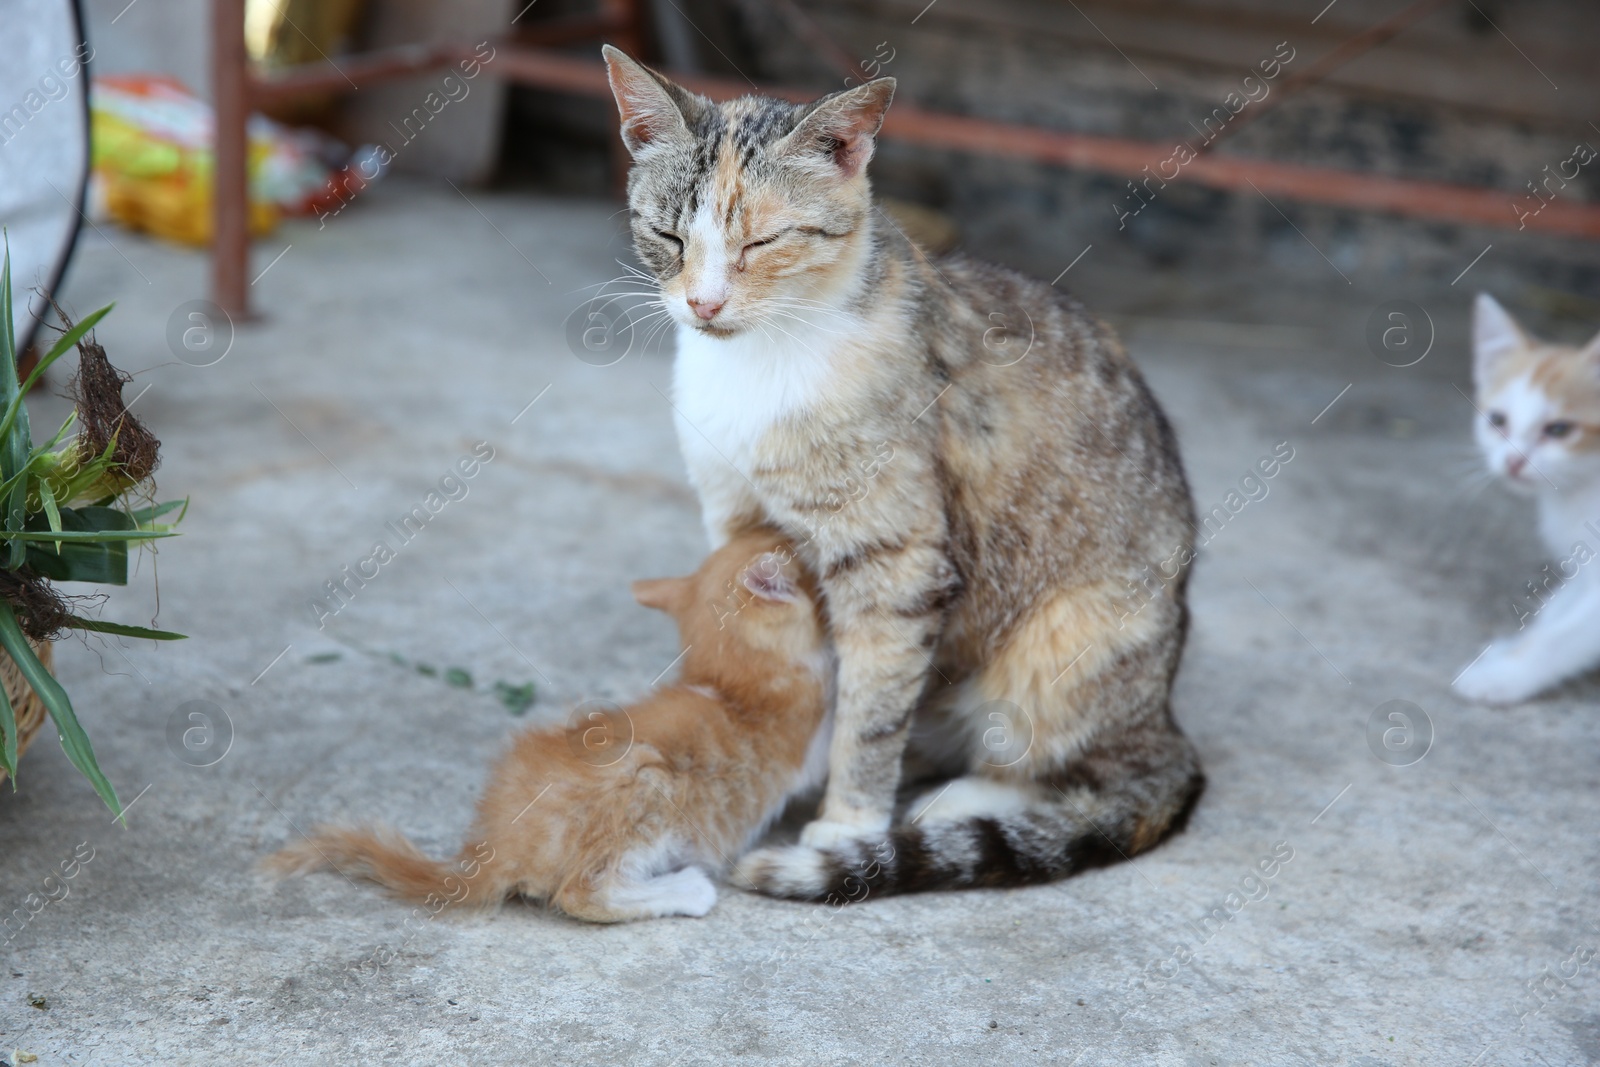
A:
[1502, 675]
[826, 834]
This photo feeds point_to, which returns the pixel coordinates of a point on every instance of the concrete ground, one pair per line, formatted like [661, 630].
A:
[1429, 912]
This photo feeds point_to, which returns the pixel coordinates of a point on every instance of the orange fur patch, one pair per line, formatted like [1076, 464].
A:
[604, 817]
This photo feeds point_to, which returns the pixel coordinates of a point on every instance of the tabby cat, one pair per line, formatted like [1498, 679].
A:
[1538, 427]
[622, 816]
[967, 459]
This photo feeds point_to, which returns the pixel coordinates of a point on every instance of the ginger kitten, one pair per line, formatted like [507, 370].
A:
[1538, 426]
[627, 819]
[970, 463]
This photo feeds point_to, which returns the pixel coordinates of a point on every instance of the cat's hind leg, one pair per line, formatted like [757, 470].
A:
[1074, 761]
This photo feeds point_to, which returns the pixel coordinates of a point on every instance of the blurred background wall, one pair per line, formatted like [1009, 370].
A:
[1480, 92]
[1450, 99]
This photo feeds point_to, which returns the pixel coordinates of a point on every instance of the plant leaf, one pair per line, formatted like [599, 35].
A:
[8, 725]
[516, 698]
[74, 742]
[103, 564]
[15, 440]
[8, 341]
[78, 622]
[51, 512]
[87, 518]
[17, 536]
[151, 514]
[63, 345]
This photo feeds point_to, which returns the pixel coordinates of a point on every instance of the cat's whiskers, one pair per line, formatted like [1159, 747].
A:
[769, 321]
[652, 300]
[657, 329]
[649, 297]
[631, 269]
[761, 325]
[799, 311]
[619, 278]
[1463, 466]
[632, 278]
[813, 301]
[803, 321]
[799, 304]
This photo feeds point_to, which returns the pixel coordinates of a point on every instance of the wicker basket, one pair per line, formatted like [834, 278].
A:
[25, 703]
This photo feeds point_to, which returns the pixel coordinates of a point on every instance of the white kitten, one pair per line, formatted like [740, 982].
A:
[1538, 426]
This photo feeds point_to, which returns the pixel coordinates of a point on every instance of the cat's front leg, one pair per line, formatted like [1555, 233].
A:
[886, 603]
[728, 504]
[1503, 674]
[1562, 641]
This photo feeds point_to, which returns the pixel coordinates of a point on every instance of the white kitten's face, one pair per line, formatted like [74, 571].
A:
[1526, 439]
[1538, 418]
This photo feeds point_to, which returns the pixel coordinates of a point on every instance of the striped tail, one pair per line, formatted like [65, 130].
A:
[979, 832]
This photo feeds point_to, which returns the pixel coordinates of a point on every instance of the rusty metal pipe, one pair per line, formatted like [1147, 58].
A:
[230, 195]
[1120, 157]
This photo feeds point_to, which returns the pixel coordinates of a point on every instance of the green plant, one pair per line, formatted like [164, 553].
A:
[66, 516]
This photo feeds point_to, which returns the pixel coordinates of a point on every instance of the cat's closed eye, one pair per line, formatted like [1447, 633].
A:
[765, 240]
[671, 238]
[1558, 429]
[1497, 419]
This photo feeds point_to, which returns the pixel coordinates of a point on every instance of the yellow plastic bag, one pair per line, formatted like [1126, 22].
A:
[152, 154]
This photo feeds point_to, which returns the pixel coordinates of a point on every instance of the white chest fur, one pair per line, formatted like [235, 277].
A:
[1570, 520]
[730, 393]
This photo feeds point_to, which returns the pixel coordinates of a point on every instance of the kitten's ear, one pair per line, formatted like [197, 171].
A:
[842, 130]
[1591, 351]
[765, 578]
[1495, 335]
[653, 109]
[663, 594]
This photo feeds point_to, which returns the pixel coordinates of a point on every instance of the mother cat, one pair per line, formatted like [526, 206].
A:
[971, 463]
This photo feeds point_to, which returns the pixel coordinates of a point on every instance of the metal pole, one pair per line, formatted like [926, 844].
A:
[230, 98]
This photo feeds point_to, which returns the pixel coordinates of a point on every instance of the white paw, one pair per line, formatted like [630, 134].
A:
[825, 834]
[699, 895]
[1502, 675]
[686, 892]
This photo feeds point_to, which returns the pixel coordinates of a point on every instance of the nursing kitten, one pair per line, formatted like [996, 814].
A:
[969, 461]
[1538, 426]
[625, 818]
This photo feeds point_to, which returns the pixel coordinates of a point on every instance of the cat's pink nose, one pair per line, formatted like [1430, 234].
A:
[1514, 465]
[706, 309]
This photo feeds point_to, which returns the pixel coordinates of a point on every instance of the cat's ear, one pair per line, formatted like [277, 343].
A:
[663, 594]
[841, 130]
[653, 109]
[765, 578]
[1495, 335]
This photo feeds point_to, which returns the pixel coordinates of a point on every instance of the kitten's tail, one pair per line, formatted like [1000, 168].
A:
[985, 832]
[385, 856]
